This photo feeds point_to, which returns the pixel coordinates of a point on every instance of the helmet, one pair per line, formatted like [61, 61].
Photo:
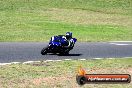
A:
[68, 35]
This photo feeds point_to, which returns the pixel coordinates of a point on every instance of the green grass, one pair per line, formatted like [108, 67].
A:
[89, 20]
[61, 74]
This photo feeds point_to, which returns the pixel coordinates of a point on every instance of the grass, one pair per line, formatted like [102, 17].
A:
[61, 74]
[89, 20]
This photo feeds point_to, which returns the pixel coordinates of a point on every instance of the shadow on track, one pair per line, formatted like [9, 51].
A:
[71, 55]
[66, 54]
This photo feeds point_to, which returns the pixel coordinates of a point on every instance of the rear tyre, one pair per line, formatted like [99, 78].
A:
[44, 51]
[64, 53]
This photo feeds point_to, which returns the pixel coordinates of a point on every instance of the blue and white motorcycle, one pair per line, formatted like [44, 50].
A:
[58, 45]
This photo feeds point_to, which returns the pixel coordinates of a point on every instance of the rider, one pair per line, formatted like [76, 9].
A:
[68, 38]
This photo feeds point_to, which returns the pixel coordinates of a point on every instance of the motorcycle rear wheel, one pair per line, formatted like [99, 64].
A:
[64, 53]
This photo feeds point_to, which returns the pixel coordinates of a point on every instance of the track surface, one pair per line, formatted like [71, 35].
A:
[30, 51]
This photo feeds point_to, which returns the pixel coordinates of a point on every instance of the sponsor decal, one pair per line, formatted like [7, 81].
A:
[83, 78]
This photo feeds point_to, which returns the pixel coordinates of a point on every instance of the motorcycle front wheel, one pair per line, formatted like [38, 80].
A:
[44, 50]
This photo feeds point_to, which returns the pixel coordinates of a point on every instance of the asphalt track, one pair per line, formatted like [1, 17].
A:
[30, 51]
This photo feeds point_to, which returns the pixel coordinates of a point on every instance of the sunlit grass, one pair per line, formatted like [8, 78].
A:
[61, 74]
[98, 20]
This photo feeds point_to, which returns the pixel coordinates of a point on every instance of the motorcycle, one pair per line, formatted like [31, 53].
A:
[57, 45]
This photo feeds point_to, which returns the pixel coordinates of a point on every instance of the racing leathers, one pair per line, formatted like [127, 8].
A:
[70, 43]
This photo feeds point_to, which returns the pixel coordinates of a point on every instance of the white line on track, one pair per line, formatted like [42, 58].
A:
[58, 60]
[121, 41]
[30, 62]
[119, 44]
[27, 62]
[98, 58]
[67, 59]
[49, 60]
[5, 63]
[15, 62]
[81, 59]
[127, 57]
[122, 44]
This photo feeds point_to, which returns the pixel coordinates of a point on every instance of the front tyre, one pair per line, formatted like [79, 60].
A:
[44, 51]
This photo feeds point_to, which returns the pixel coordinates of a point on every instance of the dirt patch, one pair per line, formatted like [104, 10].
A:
[120, 70]
[57, 82]
[129, 70]
[0, 84]
[70, 80]
[49, 80]
[40, 64]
